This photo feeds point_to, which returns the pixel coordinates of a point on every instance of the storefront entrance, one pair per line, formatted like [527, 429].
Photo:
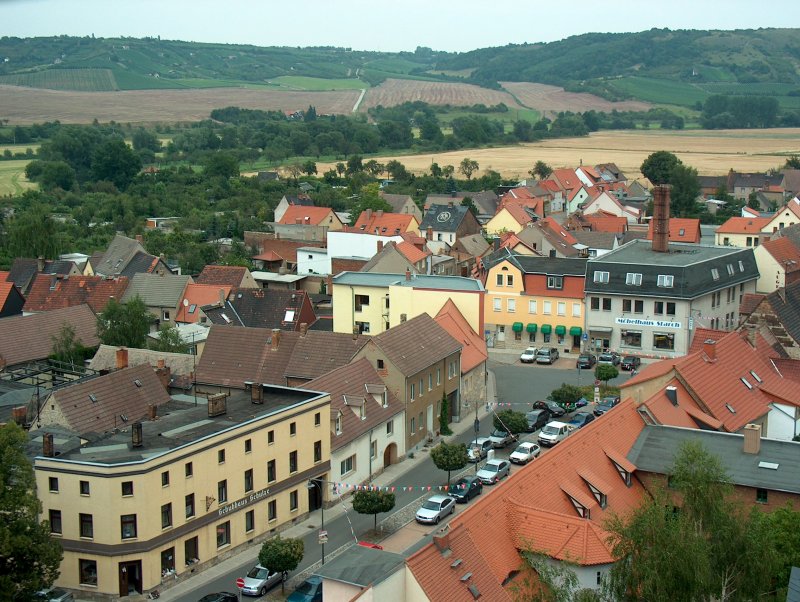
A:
[130, 578]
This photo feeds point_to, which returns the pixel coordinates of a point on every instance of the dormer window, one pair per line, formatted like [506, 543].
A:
[730, 269]
[666, 280]
[633, 279]
[601, 277]
[337, 423]
[715, 273]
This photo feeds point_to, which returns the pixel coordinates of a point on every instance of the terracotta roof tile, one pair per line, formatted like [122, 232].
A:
[473, 350]
[415, 344]
[319, 352]
[681, 229]
[607, 223]
[749, 303]
[743, 225]
[225, 275]
[197, 296]
[307, 215]
[558, 230]
[517, 212]
[386, 224]
[411, 252]
[701, 335]
[279, 249]
[784, 252]
[52, 292]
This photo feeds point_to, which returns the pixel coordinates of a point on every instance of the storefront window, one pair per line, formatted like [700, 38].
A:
[223, 534]
[632, 338]
[546, 336]
[167, 562]
[664, 341]
[560, 339]
[88, 571]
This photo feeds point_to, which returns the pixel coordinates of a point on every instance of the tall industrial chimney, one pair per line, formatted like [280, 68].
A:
[661, 218]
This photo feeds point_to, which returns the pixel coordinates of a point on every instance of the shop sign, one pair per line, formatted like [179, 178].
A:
[245, 501]
[650, 323]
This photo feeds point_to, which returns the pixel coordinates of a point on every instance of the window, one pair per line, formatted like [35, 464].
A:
[576, 310]
[337, 423]
[86, 525]
[349, 464]
[627, 304]
[499, 280]
[166, 316]
[413, 391]
[222, 491]
[188, 469]
[166, 516]
[497, 304]
[430, 381]
[531, 307]
[421, 389]
[373, 450]
[84, 487]
[665, 280]
[632, 338]
[762, 496]
[128, 526]
[670, 308]
[438, 376]
[601, 277]
[510, 280]
[390, 427]
[165, 478]
[189, 504]
[547, 307]
[224, 534]
[127, 488]
[715, 273]
[741, 263]
[293, 500]
[317, 451]
[664, 341]
[380, 364]
[270, 437]
[250, 521]
[53, 484]
[221, 456]
[87, 570]
[730, 269]
[413, 425]
[55, 521]
[512, 305]
[632, 279]
[271, 471]
[292, 429]
[658, 308]
[556, 282]
[248, 480]
[638, 306]
[606, 303]
[594, 303]
[248, 446]
[292, 462]
[363, 327]
[561, 308]
[361, 302]
[420, 422]
[317, 419]
[272, 510]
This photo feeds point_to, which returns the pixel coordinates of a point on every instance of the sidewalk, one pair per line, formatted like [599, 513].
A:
[390, 475]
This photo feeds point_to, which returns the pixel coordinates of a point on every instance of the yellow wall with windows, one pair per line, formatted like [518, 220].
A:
[502, 222]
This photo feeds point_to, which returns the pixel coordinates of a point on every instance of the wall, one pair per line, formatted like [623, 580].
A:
[782, 422]
[502, 222]
[415, 301]
[772, 274]
[473, 389]
[337, 591]
[360, 448]
[313, 261]
[356, 244]
[736, 240]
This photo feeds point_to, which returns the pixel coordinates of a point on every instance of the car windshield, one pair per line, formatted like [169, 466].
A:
[430, 505]
[549, 430]
[491, 467]
[306, 587]
[523, 449]
[583, 357]
[630, 358]
[606, 356]
[258, 573]
[530, 351]
[499, 433]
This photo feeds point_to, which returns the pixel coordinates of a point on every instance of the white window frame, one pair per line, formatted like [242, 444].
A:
[633, 279]
[666, 280]
[576, 310]
[497, 304]
[561, 308]
[532, 306]
[600, 277]
[547, 307]
[511, 305]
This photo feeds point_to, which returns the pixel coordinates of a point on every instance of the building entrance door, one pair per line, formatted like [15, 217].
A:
[130, 578]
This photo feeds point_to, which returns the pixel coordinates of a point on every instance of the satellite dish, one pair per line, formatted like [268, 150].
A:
[186, 302]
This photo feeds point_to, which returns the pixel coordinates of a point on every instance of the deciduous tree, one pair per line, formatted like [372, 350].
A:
[124, 325]
[281, 555]
[658, 166]
[541, 170]
[169, 340]
[114, 161]
[511, 421]
[374, 503]
[449, 457]
[605, 372]
[467, 167]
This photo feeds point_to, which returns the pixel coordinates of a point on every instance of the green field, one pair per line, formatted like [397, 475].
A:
[395, 65]
[19, 148]
[316, 84]
[80, 80]
[659, 91]
[12, 178]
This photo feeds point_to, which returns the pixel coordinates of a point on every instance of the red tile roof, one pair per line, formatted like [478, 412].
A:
[784, 252]
[535, 204]
[196, 296]
[701, 335]
[681, 229]
[517, 211]
[473, 351]
[386, 224]
[222, 275]
[6, 288]
[607, 223]
[743, 225]
[558, 229]
[749, 303]
[307, 215]
[3, 276]
[50, 292]
[411, 252]
[277, 249]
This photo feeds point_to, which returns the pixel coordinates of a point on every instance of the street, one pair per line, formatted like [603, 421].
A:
[516, 384]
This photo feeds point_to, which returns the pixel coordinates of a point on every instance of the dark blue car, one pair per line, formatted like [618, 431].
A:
[581, 419]
[309, 590]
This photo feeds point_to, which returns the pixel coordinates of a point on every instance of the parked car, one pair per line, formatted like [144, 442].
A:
[553, 432]
[580, 420]
[493, 471]
[259, 579]
[309, 590]
[466, 488]
[479, 449]
[369, 544]
[605, 405]
[546, 355]
[529, 355]
[571, 407]
[53, 594]
[586, 360]
[630, 362]
[609, 357]
[538, 418]
[555, 409]
[501, 438]
[435, 508]
[525, 452]
[220, 597]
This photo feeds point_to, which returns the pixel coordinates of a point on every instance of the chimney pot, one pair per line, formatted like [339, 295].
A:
[752, 438]
[369, 214]
[710, 349]
[40, 264]
[429, 233]
[303, 329]
[122, 358]
[137, 438]
[276, 338]
[48, 449]
[408, 275]
[152, 411]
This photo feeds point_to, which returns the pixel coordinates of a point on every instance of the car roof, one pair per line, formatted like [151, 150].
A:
[438, 498]
[556, 423]
[466, 479]
[528, 444]
[480, 440]
[493, 461]
[537, 411]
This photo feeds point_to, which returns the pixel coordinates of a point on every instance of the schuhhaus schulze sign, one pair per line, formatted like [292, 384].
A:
[245, 501]
[651, 323]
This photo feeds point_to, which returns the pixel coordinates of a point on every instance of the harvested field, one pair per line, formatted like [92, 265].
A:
[29, 105]
[710, 152]
[397, 91]
[552, 99]
[12, 178]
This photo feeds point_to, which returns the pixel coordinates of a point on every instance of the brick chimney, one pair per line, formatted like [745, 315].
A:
[379, 213]
[661, 218]
[329, 287]
[369, 214]
[222, 297]
[276, 339]
[380, 246]
[710, 349]
[40, 264]
[137, 438]
[48, 450]
[152, 411]
[429, 233]
[752, 439]
[442, 540]
[122, 358]
[164, 375]
[303, 328]
[408, 275]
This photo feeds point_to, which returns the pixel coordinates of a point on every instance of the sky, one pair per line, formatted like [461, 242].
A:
[391, 26]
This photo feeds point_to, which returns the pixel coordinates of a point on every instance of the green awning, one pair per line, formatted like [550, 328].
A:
[531, 328]
[561, 330]
[575, 331]
[517, 327]
[546, 329]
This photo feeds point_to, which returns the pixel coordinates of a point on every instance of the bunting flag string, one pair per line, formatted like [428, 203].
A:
[343, 487]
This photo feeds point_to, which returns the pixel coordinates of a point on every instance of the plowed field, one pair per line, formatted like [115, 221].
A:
[552, 99]
[397, 91]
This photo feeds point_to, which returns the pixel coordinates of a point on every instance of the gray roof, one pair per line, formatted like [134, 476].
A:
[117, 256]
[361, 566]
[657, 445]
[531, 264]
[156, 290]
[691, 266]
[181, 364]
[443, 218]
[446, 283]
[793, 594]
[474, 244]
[595, 240]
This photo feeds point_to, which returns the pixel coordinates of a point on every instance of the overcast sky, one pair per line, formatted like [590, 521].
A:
[392, 25]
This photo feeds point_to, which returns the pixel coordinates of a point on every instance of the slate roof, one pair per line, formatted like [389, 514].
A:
[473, 346]
[260, 308]
[225, 275]
[118, 401]
[362, 567]
[157, 290]
[117, 256]
[691, 266]
[180, 364]
[657, 445]
[140, 263]
[595, 240]
[50, 292]
[396, 201]
[416, 344]
[22, 273]
[791, 180]
[786, 305]
[29, 338]
[360, 383]
[451, 218]
[530, 264]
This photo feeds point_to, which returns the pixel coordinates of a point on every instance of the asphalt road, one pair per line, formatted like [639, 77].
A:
[517, 384]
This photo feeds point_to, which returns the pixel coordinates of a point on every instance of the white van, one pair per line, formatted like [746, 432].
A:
[553, 432]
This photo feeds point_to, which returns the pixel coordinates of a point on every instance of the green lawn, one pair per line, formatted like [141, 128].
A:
[660, 90]
[12, 178]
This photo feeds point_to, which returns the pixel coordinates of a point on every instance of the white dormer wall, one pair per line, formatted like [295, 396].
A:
[355, 244]
[313, 261]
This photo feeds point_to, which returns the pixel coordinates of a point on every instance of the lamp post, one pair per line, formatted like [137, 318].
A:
[310, 485]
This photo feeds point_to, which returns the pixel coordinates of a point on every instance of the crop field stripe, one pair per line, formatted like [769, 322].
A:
[79, 80]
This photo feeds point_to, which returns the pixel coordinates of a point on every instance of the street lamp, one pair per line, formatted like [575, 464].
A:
[310, 485]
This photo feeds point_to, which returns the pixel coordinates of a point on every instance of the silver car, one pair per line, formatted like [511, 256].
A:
[435, 508]
[260, 579]
[477, 450]
[493, 471]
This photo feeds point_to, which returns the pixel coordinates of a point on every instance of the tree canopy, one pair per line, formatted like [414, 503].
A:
[374, 503]
[658, 166]
[124, 325]
[281, 555]
[510, 420]
[449, 457]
